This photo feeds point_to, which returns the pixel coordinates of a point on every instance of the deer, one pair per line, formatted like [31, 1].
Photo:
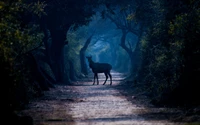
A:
[100, 68]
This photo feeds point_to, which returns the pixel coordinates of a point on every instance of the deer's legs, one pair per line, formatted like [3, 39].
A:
[94, 78]
[110, 78]
[106, 78]
[97, 78]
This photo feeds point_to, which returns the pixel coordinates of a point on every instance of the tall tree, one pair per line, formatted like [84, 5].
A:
[61, 15]
[82, 56]
[124, 16]
[170, 53]
[19, 37]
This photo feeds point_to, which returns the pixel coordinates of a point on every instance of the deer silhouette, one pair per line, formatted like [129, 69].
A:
[100, 68]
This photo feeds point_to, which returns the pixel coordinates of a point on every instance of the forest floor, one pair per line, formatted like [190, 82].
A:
[85, 104]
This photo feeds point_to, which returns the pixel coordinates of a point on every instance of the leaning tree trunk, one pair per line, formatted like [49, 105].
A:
[128, 50]
[136, 59]
[47, 43]
[37, 73]
[82, 56]
[136, 56]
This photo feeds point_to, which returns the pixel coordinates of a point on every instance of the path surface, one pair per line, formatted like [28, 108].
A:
[87, 104]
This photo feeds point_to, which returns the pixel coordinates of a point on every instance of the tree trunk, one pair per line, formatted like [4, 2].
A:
[55, 49]
[71, 71]
[136, 59]
[128, 50]
[37, 73]
[57, 54]
[136, 56]
[47, 43]
[82, 56]
[51, 81]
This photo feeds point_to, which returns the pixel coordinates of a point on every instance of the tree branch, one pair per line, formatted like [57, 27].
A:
[20, 54]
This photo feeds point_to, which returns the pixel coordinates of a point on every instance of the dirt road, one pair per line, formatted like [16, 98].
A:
[87, 104]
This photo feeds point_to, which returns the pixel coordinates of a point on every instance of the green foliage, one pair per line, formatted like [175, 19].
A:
[17, 37]
[144, 43]
[73, 49]
[170, 56]
[130, 17]
[37, 8]
[16, 40]
[179, 23]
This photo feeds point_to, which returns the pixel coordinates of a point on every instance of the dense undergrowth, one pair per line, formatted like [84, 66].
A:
[171, 55]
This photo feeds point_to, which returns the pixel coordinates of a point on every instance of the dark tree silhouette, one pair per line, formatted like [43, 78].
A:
[82, 56]
[61, 15]
[126, 26]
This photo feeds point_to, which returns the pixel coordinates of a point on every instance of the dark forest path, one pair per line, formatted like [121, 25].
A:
[87, 104]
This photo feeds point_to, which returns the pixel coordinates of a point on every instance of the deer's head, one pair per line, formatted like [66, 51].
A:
[89, 58]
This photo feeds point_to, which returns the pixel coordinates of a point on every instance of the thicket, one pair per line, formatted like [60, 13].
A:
[18, 37]
[171, 55]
